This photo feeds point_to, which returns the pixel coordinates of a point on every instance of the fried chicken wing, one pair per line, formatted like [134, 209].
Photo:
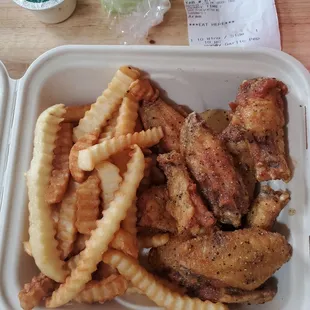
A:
[258, 296]
[152, 212]
[187, 207]
[199, 286]
[259, 118]
[159, 113]
[243, 259]
[244, 163]
[266, 208]
[213, 168]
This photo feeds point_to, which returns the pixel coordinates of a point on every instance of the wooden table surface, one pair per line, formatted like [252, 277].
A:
[23, 38]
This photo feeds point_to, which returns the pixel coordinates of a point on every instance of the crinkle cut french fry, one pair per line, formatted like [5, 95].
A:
[72, 262]
[86, 141]
[41, 227]
[152, 288]
[55, 215]
[75, 113]
[66, 230]
[100, 237]
[143, 90]
[60, 174]
[102, 110]
[104, 271]
[121, 160]
[129, 224]
[33, 293]
[79, 244]
[27, 247]
[128, 114]
[110, 181]
[133, 290]
[87, 203]
[104, 290]
[146, 241]
[93, 155]
[108, 131]
[125, 242]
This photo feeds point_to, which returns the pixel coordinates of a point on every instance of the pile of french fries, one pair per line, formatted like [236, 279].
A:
[88, 163]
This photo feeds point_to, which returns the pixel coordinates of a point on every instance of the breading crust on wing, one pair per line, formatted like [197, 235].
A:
[259, 118]
[212, 166]
[187, 206]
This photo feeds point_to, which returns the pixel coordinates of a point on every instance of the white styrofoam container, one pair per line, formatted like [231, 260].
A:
[199, 77]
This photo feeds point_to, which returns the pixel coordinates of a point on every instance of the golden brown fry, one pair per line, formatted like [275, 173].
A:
[27, 248]
[129, 224]
[90, 157]
[121, 160]
[143, 90]
[104, 271]
[41, 228]
[34, 292]
[100, 238]
[55, 215]
[133, 290]
[152, 288]
[66, 230]
[128, 114]
[79, 244]
[125, 242]
[102, 291]
[87, 202]
[110, 181]
[72, 262]
[60, 174]
[108, 131]
[102, 110]
[83, 143]
[75, 112]
[147, 241]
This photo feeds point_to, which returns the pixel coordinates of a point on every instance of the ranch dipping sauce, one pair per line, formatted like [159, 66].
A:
[49, 11]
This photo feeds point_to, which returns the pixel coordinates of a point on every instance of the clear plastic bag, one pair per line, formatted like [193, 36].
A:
[132, 19]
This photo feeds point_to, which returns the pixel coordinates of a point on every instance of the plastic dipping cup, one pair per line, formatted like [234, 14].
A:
[49, 11]
[120, 6]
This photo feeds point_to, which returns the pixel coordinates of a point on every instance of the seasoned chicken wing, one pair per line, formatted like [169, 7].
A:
[242, 259]
[187, 206]
[199, 286]
[213, 168]
[266, 208]
[159, 113]
[152, 210]
[258, 296]
[243, 163]
[259, 118]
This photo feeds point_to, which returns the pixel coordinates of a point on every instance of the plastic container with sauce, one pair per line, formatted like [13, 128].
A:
[49, 11]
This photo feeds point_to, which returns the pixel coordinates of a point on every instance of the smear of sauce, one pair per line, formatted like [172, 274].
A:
[291, 211]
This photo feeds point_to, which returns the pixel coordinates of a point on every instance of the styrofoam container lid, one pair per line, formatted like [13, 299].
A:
[202, 78]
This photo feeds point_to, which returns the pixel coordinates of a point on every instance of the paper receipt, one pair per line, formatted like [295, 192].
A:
[233, 23]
